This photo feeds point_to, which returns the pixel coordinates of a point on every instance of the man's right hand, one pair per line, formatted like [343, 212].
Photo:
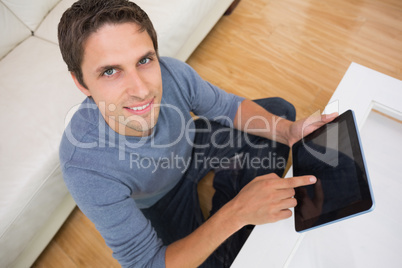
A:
[267, 199]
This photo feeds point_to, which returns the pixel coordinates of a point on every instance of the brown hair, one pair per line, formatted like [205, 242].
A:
[85, 17]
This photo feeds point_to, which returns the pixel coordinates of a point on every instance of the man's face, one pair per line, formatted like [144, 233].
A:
[122, 73]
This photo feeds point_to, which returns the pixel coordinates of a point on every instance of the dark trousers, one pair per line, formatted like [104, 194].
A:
[236, 158]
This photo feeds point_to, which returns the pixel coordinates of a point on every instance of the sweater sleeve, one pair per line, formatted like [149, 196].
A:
[108, 204]
[204, 99]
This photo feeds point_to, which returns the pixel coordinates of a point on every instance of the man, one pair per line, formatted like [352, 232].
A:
[132, 155]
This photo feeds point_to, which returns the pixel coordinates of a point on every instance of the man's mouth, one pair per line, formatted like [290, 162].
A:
[141, 109]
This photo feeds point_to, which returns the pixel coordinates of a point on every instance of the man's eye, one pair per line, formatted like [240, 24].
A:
[110, 72]
[144, 61]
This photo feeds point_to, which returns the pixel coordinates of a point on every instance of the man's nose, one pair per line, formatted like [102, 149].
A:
[136, 86]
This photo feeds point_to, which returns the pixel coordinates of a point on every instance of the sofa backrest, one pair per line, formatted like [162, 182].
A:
[19, 19]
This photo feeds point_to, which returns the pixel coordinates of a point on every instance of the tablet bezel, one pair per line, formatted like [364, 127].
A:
[364, 205]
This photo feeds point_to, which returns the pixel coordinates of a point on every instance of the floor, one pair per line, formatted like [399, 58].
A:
[295, 49]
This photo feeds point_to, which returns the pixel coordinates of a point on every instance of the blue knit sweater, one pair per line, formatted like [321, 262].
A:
[111, 177]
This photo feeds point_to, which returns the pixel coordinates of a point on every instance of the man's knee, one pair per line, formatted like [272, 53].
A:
[278, 106]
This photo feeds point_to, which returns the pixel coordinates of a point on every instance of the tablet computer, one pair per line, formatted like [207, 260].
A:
[333, 153]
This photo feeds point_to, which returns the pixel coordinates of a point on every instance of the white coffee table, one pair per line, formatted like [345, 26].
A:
[369, 240]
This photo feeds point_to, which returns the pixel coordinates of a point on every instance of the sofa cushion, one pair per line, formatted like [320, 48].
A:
[174, 21]
[48, 28]
[13, 31]
[31, 13]
[37, 93]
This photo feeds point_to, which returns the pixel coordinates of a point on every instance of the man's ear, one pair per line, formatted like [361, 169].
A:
[80, 87]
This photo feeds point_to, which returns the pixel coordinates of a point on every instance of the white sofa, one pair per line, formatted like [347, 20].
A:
[37, 97]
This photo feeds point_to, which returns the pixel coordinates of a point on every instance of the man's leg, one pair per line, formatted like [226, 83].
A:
[250, 156]
[178, 213]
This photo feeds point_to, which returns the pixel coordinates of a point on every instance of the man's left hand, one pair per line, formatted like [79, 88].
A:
[303, 127]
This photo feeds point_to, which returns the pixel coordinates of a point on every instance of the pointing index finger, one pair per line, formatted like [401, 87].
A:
[295, 182]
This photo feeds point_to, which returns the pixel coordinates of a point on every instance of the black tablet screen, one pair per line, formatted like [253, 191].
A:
[332, 154]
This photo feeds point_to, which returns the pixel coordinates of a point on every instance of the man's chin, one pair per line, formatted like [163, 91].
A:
[138, 126]
[140, 130]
